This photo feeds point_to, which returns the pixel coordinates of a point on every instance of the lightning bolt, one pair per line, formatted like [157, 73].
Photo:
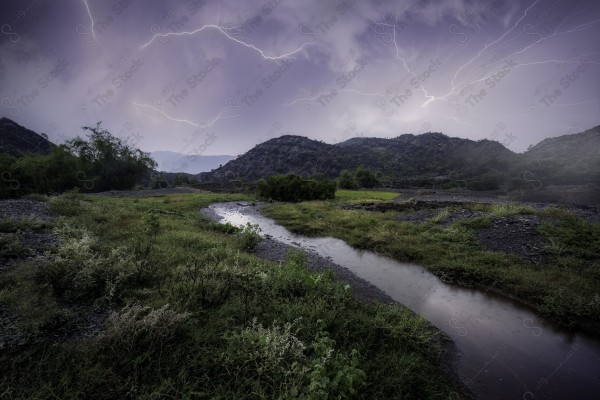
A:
[194, 124]
[487, 46]
[556, 33]
[91, 19]
[224, 32]
[164, 114]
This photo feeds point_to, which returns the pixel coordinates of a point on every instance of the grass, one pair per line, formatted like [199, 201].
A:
[192, 314]
[564, 287]
[505, 209]
[363, 195]
[24, 224]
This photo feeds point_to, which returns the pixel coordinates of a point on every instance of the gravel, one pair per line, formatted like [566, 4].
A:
[24, 209]
[515, 235]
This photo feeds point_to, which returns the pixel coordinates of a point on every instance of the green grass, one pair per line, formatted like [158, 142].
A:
[24, 224]
[564, 287]
[505, 209]
[363, 195]
[193, 315]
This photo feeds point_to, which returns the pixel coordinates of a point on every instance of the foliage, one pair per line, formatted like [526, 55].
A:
[250, 236]
[295, 188]
[563, 286]
[193, 316]
[362, 177]
[10, 245]
[364, 195]
[365, 178]
[183, 179]
[110, 163]
[102, 162]
[347, 180]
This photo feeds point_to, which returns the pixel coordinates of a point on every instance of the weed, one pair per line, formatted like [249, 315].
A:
[10, 245]
[441, 216]
[250, 236]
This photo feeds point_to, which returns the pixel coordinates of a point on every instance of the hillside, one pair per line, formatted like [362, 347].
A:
[406, 157]
[567, 159]
[17, 140]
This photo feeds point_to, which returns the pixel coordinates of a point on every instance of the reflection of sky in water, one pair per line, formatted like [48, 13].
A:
[506, 347]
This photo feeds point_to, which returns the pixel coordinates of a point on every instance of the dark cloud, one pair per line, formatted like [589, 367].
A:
[169, 73]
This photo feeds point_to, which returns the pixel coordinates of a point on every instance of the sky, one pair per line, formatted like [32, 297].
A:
[204, 77]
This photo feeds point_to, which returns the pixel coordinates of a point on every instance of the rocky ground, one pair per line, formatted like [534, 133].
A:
[33, 242]
[515, 234]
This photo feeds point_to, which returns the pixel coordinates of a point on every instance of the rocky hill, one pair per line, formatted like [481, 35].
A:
[405, 157]
[567, 159]
[17, 140]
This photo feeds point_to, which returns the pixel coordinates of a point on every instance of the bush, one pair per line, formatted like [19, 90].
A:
[347, 180]
[365, 178]
[295, 188]
[138, 333]
[77, 272]
[266, 356]
[250, 236]
[108, 163]
[102, 162]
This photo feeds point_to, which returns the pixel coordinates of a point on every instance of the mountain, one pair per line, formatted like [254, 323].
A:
[169, 161]
[407, 157]
[18, 141]
[567, 159]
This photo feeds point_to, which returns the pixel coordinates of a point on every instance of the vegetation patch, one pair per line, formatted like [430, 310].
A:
[192, 314]
[563, 285]
[295, 188]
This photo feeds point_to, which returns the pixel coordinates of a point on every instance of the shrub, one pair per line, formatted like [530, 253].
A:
[250, 236]
[152, 224]
[77, 272]
[10, 245]
[274, 359]
[108, 163]
[365, 178]
[295, 188]
[347, 180]
[138, 332]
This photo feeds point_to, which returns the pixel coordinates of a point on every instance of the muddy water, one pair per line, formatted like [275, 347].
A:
[507, 351]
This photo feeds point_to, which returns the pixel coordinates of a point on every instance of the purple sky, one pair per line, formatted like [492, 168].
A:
[210, 77]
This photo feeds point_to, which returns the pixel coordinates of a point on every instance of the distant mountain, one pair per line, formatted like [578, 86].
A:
[408, 156]
[169, 161]
[18, 141]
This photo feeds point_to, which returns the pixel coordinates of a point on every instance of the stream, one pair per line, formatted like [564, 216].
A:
[506, 350]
